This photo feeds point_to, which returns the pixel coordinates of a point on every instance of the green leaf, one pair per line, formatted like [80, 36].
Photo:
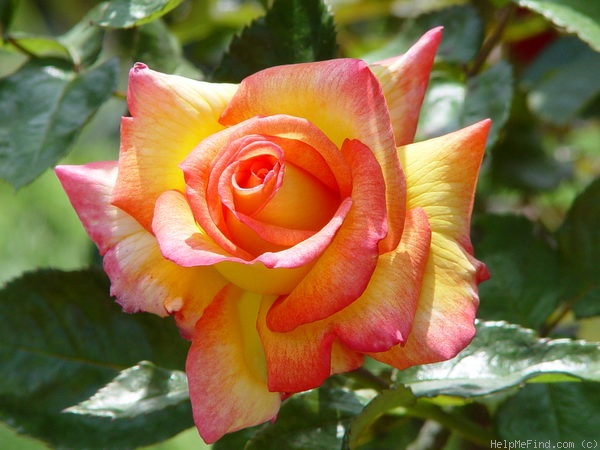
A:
[36, 45]
[141, 389]
[503, 356]
[524, 287]
[563, 80]
[43, 107]
[463, 35]
[63, 340]
[292, 31]
[552, 413]
[131, 13]
[579, 243]
[581, 17]
[451, 104]
[381, 404]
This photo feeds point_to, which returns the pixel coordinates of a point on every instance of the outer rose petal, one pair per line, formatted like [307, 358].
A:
[226, 368]
[404, 81]
[170, 115]
[441, 176]
[342, 98]
[381, 318]
[141, 279]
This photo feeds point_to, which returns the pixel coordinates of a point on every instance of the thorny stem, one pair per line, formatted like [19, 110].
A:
[491, 41]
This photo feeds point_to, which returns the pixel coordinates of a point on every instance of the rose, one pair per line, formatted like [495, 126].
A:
[289, 226]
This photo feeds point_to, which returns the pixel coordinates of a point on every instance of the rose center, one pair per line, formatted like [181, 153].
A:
[255, 171]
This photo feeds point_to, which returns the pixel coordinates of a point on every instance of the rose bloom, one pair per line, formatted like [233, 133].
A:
[289, 225]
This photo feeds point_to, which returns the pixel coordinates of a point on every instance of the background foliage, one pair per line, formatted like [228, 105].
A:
[75, 372]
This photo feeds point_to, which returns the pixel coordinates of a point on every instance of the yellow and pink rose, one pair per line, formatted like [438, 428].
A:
[289, 225]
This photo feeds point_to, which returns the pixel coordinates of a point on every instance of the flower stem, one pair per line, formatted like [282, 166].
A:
[461, 426]
[490, 43]
[368, 378]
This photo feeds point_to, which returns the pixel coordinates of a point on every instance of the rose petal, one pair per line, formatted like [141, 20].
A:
[226, 368]
[141, 279]
[342, 98]
[441, 175]
[170, 115]
[382, 317]
[404, 81]
[298, 360]
[342, 273]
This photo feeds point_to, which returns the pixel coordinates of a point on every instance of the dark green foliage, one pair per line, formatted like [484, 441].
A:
[292, 31]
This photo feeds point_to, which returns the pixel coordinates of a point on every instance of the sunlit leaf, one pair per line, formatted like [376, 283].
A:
[292, 31]
[581, 17]
[63, 340]
[36, 45]
[43, 107]
[502, 356]
[137, 390]
[130, 13]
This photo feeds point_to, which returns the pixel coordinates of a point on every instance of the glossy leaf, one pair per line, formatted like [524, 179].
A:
[131, 13]
[581, 17]
[579, 241]
[503, 356]
[292, 31]
[566, 413]
[525, 285]
[141, 389]
[43, 107]
[563, 80]
[77, 340]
